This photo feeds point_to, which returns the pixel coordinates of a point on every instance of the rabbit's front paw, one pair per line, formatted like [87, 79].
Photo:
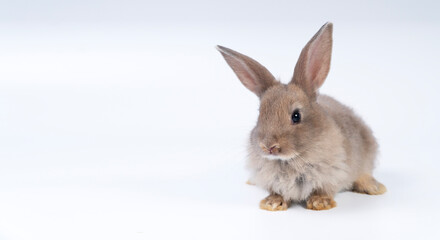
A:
[318, 202]
[274, 202]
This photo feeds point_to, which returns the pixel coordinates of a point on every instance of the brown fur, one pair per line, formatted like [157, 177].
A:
[329, 150]
[368, 185]
[274, 202]
[320, 202]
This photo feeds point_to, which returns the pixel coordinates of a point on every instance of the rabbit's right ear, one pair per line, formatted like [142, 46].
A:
[314, 62]
[252, 74]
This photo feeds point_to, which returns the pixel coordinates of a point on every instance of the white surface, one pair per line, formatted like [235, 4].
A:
[122, 121]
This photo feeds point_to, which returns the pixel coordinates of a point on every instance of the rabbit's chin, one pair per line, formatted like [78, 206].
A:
[275, 157]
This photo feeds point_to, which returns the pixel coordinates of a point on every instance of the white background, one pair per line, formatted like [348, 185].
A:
[120, 120]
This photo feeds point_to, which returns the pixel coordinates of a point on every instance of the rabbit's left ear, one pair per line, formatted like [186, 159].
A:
[314, 62]
[252, 74]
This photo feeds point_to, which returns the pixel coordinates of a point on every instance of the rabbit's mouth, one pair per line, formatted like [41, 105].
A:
[279, 157]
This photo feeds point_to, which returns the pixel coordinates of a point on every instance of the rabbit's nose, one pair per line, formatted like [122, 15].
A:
[274, 149]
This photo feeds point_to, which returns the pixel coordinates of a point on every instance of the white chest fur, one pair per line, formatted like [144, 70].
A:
[296, 179]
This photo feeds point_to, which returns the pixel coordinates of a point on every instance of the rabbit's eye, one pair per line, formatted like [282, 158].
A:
[296, 117]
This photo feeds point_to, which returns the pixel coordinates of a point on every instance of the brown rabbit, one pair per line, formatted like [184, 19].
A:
[305, 146]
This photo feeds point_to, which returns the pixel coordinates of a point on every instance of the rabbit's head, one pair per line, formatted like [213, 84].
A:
[290, 119]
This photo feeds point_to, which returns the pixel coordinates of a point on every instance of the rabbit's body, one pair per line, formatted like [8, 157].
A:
[305, 146]
[345, 151]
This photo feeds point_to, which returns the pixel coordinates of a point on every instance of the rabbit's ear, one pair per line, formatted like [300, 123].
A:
[252, 74]
[314, 62]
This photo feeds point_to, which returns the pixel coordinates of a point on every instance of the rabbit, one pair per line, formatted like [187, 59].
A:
[306, 146]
